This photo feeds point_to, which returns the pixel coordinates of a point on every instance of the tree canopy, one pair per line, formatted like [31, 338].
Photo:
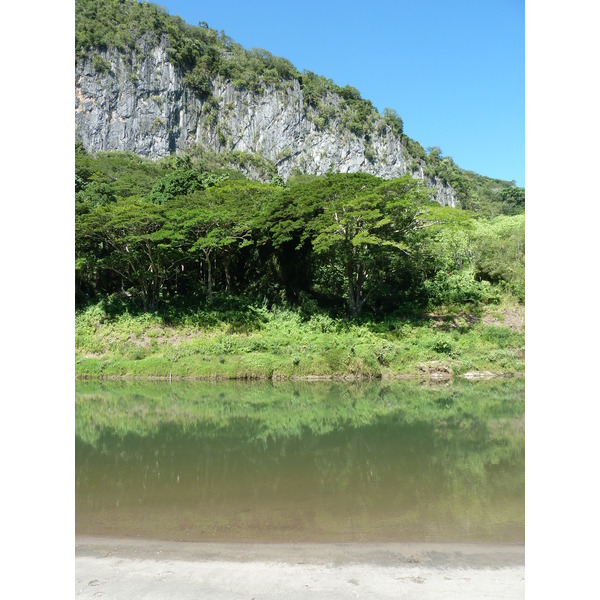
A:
[167, 232]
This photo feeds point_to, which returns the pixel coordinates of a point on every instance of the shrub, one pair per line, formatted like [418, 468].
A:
[443, 347]
[101, 65]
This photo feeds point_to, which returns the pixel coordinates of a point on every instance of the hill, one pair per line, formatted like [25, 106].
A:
[151, 84]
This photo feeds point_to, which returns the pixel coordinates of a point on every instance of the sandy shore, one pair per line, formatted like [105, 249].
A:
[124, 569]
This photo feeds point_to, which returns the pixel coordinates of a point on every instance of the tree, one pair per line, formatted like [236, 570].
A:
[177, 183]
[392, 118]
[133, 241]
[94, 194]
[513, 199]
[361, 221]
[499, 248]
[218, 221]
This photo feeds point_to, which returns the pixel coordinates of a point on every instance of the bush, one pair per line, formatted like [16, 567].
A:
[392, 118]
[443, 347]
[199, 81]
[101, 65]
[453, 288]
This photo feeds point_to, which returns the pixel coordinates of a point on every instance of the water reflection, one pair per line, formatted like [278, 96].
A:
[301, 463]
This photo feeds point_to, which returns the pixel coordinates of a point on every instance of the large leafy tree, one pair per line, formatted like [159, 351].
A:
[360, 222]
[133, 241]
[217, 222]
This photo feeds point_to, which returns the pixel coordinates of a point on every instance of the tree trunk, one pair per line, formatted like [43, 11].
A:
[356, 282]
[209, 274]
[226, 261]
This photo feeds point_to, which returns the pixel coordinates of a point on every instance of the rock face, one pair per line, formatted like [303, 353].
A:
[141, 105]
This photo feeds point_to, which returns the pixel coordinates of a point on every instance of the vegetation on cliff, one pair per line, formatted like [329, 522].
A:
[203, 54]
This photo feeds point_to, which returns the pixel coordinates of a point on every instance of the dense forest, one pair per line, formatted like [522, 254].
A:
[168, 233]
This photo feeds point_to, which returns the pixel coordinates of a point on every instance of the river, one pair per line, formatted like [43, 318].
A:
[301, 462]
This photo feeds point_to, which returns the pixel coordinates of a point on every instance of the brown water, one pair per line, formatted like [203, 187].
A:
[314, 462]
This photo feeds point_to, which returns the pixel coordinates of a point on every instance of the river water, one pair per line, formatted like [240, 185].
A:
[299, 462]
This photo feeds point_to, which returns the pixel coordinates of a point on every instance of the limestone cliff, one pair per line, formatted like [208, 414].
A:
[139, 102]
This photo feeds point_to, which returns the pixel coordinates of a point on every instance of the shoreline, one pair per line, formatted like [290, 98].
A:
[473, 375]
[146, 568]
[439, 554]
[281, 346]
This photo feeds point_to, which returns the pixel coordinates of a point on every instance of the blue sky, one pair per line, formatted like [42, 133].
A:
[453, 70]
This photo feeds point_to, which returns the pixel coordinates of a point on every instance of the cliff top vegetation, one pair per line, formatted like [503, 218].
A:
[203, 54]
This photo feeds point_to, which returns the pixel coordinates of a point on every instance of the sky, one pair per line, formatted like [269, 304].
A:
[453, 70]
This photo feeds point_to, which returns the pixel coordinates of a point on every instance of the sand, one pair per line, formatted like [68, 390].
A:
[131, 569]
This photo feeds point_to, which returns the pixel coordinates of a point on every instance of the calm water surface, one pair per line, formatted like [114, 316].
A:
[301, 462]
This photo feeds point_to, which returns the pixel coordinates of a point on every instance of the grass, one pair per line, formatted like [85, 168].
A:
[257, 343]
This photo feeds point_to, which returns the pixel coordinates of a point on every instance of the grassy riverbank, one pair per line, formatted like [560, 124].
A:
[257, 343]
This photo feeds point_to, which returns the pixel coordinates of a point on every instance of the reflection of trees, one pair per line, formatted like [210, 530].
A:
[420, 460]
[267, 412]
[383, 469]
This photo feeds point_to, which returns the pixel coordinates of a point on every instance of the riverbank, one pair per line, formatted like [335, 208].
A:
[283, 344]
[126, 568]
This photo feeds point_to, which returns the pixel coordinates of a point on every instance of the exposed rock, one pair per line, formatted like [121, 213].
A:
[476, 375]
[141, 105]
[435, 370]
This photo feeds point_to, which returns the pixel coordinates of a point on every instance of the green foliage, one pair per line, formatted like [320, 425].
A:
[414, 149]
[127, 174]
[475, 192]
[392, 118]
[443, 347]
[101, 65]
[133, 241]
[198, 80]
[500, 253]
[245, 160]
[173, 231]
[314, 88]
[102, 24]
[458, 288]
[357, 114]
[182, 182]
[472, 260]
[93, 195]
[362, 223]
[513, 199]
[250, 341]
[349, 93]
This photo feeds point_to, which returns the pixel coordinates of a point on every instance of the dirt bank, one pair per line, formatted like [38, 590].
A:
[144, 569]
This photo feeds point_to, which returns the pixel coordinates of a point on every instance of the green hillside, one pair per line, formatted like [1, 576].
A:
[202, 54]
